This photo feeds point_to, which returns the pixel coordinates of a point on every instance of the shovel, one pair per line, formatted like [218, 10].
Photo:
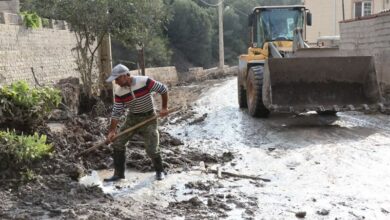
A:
[135, 127]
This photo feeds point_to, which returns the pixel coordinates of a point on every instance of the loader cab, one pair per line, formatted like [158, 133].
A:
[276, 23]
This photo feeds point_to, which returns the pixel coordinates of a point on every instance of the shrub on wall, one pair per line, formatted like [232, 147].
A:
[31, 20]
[22, 107]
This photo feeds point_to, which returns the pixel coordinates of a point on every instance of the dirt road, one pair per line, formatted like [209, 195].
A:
[321, 167]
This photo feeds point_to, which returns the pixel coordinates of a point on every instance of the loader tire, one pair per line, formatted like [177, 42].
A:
[241, 94]
[254, 93]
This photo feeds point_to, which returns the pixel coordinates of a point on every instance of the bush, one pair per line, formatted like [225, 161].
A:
[18, 152]
[23, 148]
[31, 20]
[22, 107]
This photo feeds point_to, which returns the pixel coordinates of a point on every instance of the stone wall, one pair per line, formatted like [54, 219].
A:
[167, 75]
[11, 6]
[170, 76]
[199, 74]
[370, 36]
[41, 55]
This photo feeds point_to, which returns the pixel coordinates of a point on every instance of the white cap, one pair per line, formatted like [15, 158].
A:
[118, 71]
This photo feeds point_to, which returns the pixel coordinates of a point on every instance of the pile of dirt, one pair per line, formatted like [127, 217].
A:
[56, 193]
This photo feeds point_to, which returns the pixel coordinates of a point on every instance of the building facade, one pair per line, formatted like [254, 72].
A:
[328, 13]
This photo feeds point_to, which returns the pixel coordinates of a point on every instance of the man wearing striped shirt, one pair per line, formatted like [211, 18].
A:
[135, 94]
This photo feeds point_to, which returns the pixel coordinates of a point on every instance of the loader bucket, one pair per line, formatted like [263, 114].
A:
[302, 84]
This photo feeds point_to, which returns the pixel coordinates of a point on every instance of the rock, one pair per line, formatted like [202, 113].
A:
[323, 212]
[227, 156]
[59, 115]
[300, 214]
[175, 142]
[74, 171]
[58, 128]
[198, 120]
[240, 205]
[385, 211]
[210, 202]
[72, 214]
[225, 207]
[195, 201]
[46, 206]
[221, 196]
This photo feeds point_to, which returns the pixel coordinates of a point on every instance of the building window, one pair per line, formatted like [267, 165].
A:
[362, 8]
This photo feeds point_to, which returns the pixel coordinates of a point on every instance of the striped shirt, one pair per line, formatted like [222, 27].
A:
[142, 88]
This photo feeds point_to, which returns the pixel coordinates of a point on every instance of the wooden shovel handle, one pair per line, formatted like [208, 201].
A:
[135, 127]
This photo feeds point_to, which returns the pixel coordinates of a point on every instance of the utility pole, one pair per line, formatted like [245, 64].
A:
[343, 10]
[141, 57]
[105, 66]
[221, 45]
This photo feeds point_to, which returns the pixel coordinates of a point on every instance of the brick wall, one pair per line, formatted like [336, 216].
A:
[370, 36]
[9, 6]
[47, 51]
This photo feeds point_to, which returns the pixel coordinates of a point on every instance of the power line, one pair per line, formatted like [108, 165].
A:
[212, 5]
[239, 11]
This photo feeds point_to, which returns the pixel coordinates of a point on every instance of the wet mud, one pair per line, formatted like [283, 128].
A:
[318, 167]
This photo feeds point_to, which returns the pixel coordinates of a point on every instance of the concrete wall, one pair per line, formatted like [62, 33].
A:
[370, 36]
[11, 6]
[166, 75]
[169, 75]
[199, 74]
[47, 51]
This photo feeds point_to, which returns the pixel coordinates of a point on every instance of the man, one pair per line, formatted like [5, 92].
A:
[134, 93]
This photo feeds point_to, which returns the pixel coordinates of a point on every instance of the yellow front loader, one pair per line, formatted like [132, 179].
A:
[281, 73]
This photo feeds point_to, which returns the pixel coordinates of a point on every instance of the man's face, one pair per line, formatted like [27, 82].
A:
[121, 80]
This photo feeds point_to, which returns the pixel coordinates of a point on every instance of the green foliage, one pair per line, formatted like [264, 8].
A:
[28, 175]
[157, 52]
[45, 22]
[31, 20]
[131, 21]
[235, 42]
[24, 148]
[24, 106]
[191, 32]
[21, 151]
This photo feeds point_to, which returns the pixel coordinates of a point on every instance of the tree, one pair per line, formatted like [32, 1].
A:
[190, 31]
[91, 20]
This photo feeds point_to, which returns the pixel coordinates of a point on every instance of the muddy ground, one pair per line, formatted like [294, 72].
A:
[221, 164]
[56, 192]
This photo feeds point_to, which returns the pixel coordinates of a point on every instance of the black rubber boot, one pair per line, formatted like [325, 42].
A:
[119, 165]
[158, 166]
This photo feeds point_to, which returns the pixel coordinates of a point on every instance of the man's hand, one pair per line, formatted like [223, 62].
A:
[110, 136]
[164, 112]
